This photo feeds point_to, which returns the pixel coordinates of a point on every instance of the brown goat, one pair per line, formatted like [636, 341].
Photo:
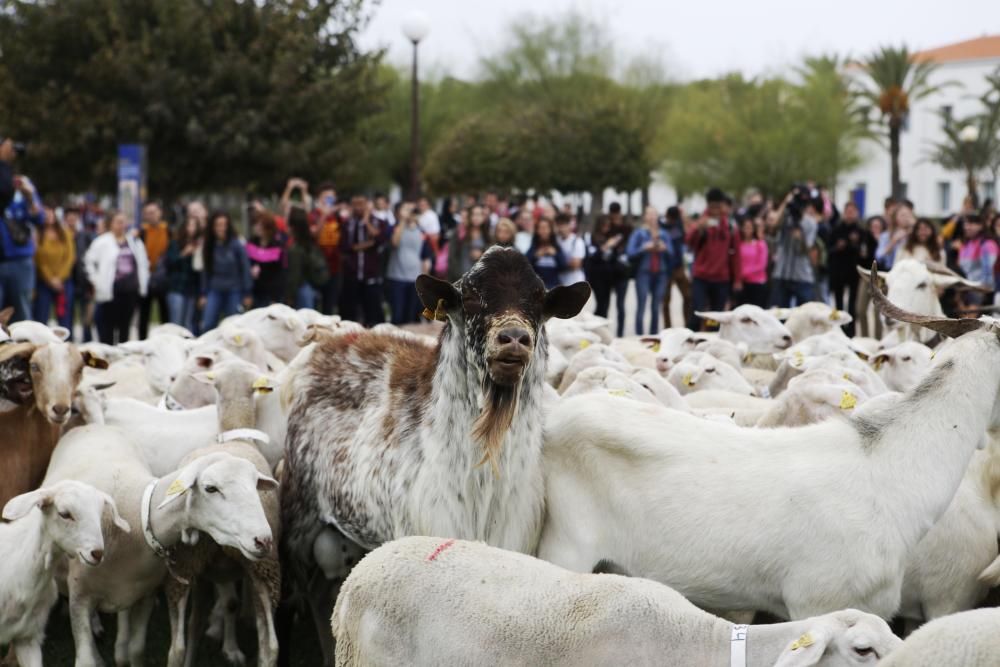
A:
[37, 384]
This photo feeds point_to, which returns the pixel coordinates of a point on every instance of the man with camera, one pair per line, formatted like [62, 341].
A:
[21, 208]
[794, 262]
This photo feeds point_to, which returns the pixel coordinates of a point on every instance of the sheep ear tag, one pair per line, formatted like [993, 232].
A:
[619, 392]
[834, 315]
[262, 385]
[656, 347]
[439, 314]
[803, 642]
[176, 487]
[711, 323]
[848, 401]
[584, 344]
[688, 380]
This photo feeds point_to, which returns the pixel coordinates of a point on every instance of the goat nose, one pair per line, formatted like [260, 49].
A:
[60, 409]
[97, 555]
[514, 335]
[262, 543]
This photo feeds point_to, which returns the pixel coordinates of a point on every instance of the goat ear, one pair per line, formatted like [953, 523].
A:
[265, 483]
[61, 332]
[805, 651]
[438, 296]
[19, 506]
[715, 315]
[566, 301]
[94, 361]
[115, 516]
[5, 316]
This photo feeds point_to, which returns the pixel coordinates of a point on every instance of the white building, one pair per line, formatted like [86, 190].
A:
[934, 191]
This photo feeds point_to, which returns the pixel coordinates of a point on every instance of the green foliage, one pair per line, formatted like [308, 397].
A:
[225, 94]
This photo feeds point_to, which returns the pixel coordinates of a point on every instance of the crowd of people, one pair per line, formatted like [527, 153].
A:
[359, 257]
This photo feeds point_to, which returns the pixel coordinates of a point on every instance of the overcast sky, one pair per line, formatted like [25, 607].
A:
[694, 38]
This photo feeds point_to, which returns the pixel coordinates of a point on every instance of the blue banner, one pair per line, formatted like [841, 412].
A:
[131, 181]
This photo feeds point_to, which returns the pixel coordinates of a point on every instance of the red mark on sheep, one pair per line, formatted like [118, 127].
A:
[441, 547]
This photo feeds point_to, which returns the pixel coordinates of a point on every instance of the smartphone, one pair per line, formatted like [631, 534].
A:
[712, 222]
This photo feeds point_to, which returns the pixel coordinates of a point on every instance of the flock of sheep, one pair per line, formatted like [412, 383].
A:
[690, 480]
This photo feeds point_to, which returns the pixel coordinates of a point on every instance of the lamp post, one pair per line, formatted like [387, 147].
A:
[969, 135]
[415, 28]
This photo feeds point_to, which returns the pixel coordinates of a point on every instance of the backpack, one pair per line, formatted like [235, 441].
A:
[315, 270]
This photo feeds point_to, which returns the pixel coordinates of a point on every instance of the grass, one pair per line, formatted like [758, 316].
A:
[58, 649]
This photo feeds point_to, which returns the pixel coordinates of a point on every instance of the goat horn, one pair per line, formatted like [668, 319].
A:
[939, 268]
[945, 326]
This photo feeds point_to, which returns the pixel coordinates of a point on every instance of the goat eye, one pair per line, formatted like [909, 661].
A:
[35, 368]
[211, 489]
[66, 515]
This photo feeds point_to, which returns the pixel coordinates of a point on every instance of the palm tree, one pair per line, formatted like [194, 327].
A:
[895, 81]
[969, 146]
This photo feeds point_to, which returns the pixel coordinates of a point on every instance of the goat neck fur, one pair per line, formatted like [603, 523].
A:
[424, 601]
[847, 500]
[388, 437]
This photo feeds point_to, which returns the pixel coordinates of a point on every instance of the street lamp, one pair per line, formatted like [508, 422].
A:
[415, 27]
[969, 135]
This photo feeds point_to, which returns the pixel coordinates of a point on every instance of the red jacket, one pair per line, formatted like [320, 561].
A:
[716, 253]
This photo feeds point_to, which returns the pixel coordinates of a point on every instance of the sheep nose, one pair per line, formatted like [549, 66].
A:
[60, 409]
[173, 378]
[263, 544]
[514, 335]
[97, 555]
[787, 339]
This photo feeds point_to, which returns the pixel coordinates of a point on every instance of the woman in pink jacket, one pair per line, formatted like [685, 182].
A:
[753, 253]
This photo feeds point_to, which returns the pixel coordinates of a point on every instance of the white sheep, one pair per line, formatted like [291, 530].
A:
[700, 370]
[594, 355]
[757, 328]
[901, 367]
[29, 331]
[279, 327]
[847, 500]
[968, 639]
[664, 392]
[427, 600]
[215, 495]
[812, 397]
[608, 381]
[163, 355]
[63, 519]
[813, 319]
[186, 392]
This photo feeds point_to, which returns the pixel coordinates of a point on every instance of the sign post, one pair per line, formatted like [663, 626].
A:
[131, 182]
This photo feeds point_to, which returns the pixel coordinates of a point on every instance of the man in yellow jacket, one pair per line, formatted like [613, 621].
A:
[156, 237]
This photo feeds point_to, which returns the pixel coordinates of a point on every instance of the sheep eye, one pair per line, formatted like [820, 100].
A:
[271, 317]
[865, 651]
[211, 489]
[922, 285]
[747, 320]
[709, 370]
[66, 515]
[35, 368]
[906, 358]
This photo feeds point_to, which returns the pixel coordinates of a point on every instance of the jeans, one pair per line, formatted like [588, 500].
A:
[403, 301]
[621, 290]
[362, 302]
[182, 309]
[114, 318]
[331, 295]
[649, 284]
[838, 285]
[754, 294]
[680, 278]
[17, 282]
[305, 296]
[707, 295]
[786, 290]
[45, 300]
[220, 304]
[600, 285]
[146, 311]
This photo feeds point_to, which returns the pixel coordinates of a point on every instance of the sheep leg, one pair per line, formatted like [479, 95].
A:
[321, 595]
[138, 622]
[216, 618]
[95, 622]
[29, 652]
[80, 611]
[267, 638]
[230, 610]
[121, 639]
[177, 599]
[197, 604]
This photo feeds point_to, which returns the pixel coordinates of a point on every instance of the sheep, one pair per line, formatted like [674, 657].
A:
[723, 350]
[846, 364]
[872, 484]
[186, 392]
[236, 383]
[604, 380]
[594, 355]
[39, 381]
[38, 333]
[635, 352]
[664, 392]
[218, 495]
[163, 356]
[571, 341]
[902, 366]
[279, 327]
[814, 318]
[759, 329]
[812, 397]
[968, 639]
[59, 520]
[426, 600]
[387, 438]
[171, 329]
[700, 370]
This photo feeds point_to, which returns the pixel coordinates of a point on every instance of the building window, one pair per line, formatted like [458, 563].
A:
[904, 191]
[944, 196]
[989, 190]
[946, 115]
[905, 127]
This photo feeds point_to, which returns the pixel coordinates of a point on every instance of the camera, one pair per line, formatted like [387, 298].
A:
[802, 195]
[20, 148]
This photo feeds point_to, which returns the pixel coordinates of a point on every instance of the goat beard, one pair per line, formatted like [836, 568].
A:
[494, 421]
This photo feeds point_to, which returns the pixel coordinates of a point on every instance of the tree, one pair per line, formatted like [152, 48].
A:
[895, 81]
[225, 95]
[969, 146]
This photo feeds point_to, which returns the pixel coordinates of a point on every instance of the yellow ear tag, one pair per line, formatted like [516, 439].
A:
[656, 347]
[847, 376]
[175, 487]
[878, 363]
[688, 380]
[834, 315]
[210, 375]
[618, 392]
[238, 339]
[439, 313]
[799, 359]
[848, 401]
[803, 641]
[711, 323]
[933, 353]
[262, 385]
[584, 344]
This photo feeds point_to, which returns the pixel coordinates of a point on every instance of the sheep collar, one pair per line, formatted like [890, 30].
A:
[147, 531]
[169, 403]
[243, 434]
[738, 645]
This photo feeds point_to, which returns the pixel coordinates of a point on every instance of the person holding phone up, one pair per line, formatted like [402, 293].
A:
[717, 267]
[649, 247]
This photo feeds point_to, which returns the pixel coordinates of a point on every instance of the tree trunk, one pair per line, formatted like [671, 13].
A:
[596, 206]
[894, 128]
[970, 185]
[645, 197]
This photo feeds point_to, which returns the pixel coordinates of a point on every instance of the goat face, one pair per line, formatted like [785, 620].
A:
[15, 378]
[501, 305]
[56, 370]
